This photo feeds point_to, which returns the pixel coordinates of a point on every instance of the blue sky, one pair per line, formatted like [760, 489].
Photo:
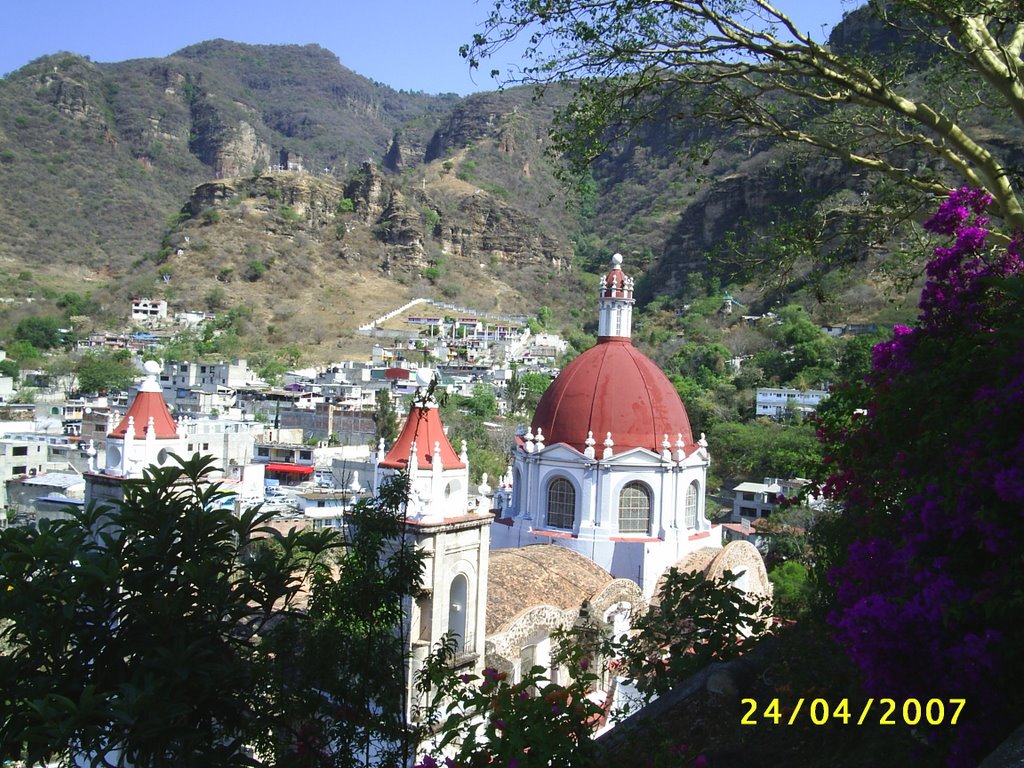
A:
[407, 44]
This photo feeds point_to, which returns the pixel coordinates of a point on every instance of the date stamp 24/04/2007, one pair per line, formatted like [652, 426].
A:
[873, 711]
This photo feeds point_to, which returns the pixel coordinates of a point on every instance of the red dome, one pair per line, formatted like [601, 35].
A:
[612, 387]
[423, 427]
[145, 406]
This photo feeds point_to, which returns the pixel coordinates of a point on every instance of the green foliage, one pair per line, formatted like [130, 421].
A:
[257, 269]
[211, 216]
[26, 355]
[483, 403]
[385, 417]
[491, 720]
[525, 390]
[764, 448]
[696, 622]
[345, 693]
[289, 214]
[272, 372]
[9, 367]
[132, 626]
[345, 205]
[42, 332]
[793, 592]
[105, 371]
[77, 304]
[432, 219]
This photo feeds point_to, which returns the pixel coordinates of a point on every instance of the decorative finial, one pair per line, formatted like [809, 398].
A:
[666, 452]
[608, 445]
[528, 441]
[152, 369]
[680, 447]
[617, 259]
[590, 442]
[540, 439]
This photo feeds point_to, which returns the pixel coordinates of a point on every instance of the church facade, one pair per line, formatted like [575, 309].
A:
[609, 466]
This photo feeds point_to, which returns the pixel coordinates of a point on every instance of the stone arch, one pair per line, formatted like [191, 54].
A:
[737, 556]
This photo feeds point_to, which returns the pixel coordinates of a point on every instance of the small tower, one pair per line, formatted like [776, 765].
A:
[615, 303]
[146, 435]
[440, 523]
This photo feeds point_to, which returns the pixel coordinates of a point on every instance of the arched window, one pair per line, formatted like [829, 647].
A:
[457, 611]
[561, 504]
[634, 508]
[690, 512]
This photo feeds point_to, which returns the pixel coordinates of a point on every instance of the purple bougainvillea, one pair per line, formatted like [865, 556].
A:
[930, 476]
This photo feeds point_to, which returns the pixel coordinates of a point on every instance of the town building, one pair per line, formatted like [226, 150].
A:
[784, 402]
[755, 500]
[148, 310]
[19, 458]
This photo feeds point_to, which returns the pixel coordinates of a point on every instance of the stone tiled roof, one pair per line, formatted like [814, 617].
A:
[541, 574]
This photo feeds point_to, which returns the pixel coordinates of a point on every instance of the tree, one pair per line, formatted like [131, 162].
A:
[385, 417]
[793, 592]
[746, 63]
[105, 371]
[926, 461]
[345, 692]
[133, 628]
[40, 332]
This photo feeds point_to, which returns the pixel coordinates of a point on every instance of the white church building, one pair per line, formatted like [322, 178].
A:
[606, 493]
[609, 467]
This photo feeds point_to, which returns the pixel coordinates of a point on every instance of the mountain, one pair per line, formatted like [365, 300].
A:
[170, 177]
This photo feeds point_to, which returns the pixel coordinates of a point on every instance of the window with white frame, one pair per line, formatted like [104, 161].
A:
[561, 504]
[634, 508]
[690, 512]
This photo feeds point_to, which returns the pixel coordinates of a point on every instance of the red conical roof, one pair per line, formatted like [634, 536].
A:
[145, 405]
[423, 426]
[613, 387]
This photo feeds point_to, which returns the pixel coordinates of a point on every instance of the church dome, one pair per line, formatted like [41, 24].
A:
[613, 387]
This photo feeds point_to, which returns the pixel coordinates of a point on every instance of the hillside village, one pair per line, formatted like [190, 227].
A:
[310, 431]
[342, 425]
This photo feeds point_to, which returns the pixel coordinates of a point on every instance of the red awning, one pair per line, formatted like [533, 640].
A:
[296, 469]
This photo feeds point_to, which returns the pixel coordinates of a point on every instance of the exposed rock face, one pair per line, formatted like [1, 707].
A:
[70, 98]
[241, 153]
[313, 198]
[488, 228]
[229, 145]
[475, 118]
[367, 193]
[403, 227]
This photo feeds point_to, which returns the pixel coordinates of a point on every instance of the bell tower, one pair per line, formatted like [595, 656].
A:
[453, 536]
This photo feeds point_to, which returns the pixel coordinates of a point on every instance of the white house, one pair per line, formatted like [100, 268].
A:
[778, 402]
